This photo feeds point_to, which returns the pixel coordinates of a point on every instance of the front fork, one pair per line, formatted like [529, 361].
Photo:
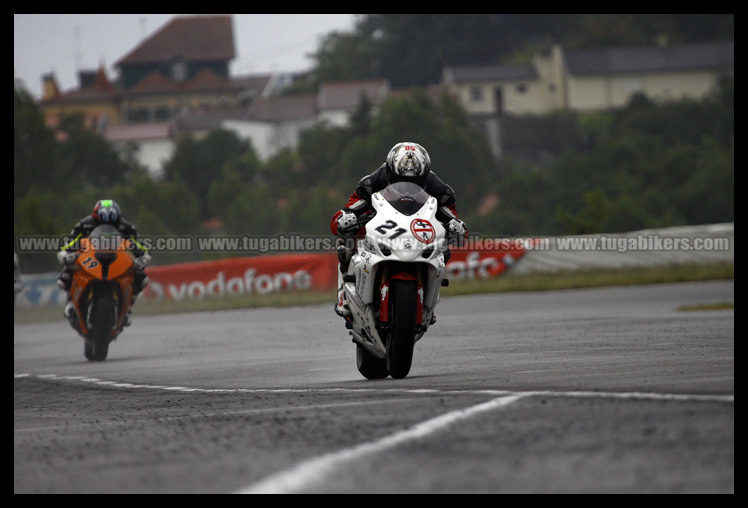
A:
[384, 295]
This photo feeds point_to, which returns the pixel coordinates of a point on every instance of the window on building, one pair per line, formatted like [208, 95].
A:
[476, 94]
[725, 79]
[498, 96]
[161, 114]
[179, 71]
[139, 115]
[521, 88]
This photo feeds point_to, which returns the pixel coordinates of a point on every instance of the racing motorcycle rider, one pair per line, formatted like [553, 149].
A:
[406, 161]
[106, 211]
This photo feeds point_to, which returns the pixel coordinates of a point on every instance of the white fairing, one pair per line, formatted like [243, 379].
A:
[411, 238]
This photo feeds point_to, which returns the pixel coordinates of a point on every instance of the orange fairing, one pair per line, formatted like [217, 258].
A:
[112, 265]
[104, 264]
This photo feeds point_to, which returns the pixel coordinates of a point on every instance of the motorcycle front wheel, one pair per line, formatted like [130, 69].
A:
[401, 336]
[369, 365]
[96, 348]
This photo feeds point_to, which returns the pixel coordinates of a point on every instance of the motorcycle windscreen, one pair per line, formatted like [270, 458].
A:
[106, 237]
[405, 197]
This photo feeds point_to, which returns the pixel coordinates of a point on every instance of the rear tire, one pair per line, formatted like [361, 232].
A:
[369, 365]
[401, 337]
[97, 348]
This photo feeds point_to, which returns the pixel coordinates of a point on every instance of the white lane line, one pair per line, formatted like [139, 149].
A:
[315, 469]
[426, 391]
[114, 384]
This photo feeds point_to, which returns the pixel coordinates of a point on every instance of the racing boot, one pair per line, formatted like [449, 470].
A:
[341, 306]
[128, 316]
[65, 280]
[69, 312]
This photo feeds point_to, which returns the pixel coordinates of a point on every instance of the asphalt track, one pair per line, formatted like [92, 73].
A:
[581, 391]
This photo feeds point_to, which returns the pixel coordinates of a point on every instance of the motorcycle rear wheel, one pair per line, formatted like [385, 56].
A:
[401, 336]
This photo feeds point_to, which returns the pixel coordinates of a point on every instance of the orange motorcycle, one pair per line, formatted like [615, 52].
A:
[102, 289]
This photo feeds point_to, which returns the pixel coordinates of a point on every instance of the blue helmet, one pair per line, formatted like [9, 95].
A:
[106, 211]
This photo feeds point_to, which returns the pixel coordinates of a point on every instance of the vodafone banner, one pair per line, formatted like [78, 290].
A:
[263, 275]
[488, 258]
[242, 276]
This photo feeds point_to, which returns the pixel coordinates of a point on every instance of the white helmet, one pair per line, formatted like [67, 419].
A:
[409, 160]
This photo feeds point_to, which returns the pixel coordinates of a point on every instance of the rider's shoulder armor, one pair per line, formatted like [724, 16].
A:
[372, 183]
[440, 190]
[127, 227]
[84, 226]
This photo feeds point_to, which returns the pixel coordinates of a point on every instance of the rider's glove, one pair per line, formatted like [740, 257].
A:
[67, 258]
[347, 222]
[457, 229]
[142, 262]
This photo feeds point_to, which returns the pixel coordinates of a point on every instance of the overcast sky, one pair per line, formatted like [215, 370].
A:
[66, 43]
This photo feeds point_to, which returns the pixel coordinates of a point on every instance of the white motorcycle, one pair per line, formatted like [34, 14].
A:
[393, 281]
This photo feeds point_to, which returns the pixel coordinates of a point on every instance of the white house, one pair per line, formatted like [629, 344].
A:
[337, 100]
[154, 141]
[591, 79]
[275, 123]
[607, 78]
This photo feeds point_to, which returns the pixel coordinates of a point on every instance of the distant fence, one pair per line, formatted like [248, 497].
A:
[263, 275]
[706, 244]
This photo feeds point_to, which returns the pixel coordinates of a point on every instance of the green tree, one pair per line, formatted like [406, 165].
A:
[88, 158]
[46, 212]
[413, 49]
[320, 150]
[199, 162]
[590, 219]
[708, 195]
[460, 156]
[35, 157]
[222, 193]
[342, 56]
[159, 208]
[526, 202]
[651, 164]
[254, 210]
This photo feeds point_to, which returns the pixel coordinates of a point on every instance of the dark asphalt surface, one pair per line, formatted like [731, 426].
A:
[582, 391]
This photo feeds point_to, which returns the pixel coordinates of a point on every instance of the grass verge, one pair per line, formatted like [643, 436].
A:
[506, 283]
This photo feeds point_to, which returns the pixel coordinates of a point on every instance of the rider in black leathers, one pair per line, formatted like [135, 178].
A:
[106, 211]
[405, 162]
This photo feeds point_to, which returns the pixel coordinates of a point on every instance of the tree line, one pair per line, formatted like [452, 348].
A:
[412, 49]
[219, 181]
[646, 165]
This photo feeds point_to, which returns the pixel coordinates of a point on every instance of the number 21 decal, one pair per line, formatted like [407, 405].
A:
[390, 224]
